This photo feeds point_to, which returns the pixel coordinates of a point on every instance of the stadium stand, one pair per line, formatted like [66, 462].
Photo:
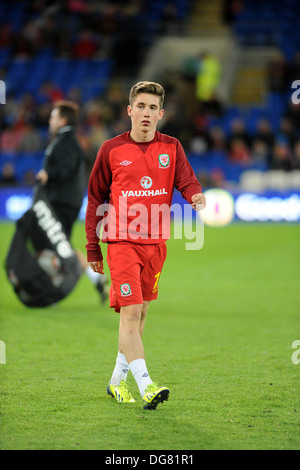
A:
[90, 51]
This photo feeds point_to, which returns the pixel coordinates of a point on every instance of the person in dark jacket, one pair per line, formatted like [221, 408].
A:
[63, 176]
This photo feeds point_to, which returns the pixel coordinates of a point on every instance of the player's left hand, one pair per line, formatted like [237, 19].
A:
[198, 201]
[42, 176]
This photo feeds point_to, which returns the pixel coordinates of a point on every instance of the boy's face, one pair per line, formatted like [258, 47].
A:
[145, 112]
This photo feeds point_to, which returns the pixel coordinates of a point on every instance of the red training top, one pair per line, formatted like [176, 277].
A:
[136, 181]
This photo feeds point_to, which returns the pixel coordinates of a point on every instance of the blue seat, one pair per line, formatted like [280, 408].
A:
[252, 117]
[27, 162]
[233, 171]
[45, 55]
[5, 53]
[7, 156]
[216, 159]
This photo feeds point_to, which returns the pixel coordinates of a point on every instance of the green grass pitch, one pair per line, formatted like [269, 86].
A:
[220, 336]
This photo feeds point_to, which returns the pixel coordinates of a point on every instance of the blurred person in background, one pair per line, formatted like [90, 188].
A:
[282, 155]
[278, 73]
[208, 77]
[63, 177]
[8, 175]
[296, 155]
[238, 130]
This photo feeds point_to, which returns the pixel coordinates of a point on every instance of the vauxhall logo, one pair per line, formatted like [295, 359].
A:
[53, 229]
[146, 183]
[145, 192]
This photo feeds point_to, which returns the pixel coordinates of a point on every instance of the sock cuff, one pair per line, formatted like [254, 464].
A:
[137, 364]
[140, 373]
[121, 357]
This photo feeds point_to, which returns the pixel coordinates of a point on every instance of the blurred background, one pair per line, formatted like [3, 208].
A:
[230, 69]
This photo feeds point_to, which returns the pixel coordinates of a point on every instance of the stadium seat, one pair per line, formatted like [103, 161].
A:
[233, 172]
[277, 180]
[5, 54]
[253, 180]
[295, 179]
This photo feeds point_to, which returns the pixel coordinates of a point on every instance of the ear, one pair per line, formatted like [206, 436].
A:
[129, 111]
[64, 121]
[161, 113]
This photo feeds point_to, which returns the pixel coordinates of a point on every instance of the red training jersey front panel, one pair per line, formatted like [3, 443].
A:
[131, 188]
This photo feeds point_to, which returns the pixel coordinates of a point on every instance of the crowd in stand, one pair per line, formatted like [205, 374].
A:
[85, 29]
[90, 29]
[269, 139]
[105, 33]
[25, 127]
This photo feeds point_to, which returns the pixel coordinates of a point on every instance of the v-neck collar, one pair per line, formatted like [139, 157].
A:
[143, 146]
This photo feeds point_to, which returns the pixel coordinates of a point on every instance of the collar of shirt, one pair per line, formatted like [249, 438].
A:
[60, 131]
[64, 129]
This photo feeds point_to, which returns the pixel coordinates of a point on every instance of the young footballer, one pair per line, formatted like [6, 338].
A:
[135, 174]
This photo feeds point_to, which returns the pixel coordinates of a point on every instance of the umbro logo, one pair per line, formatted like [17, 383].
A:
[125, 162]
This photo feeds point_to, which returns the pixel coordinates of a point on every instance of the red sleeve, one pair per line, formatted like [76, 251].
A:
[185, 178]
[98, 193]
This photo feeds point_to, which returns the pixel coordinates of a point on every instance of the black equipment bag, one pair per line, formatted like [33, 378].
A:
[41, 264]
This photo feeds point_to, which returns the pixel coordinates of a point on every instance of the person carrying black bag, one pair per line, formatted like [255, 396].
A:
[63, 177]
[41, 264]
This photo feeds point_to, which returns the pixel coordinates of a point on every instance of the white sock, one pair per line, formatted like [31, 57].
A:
[94, 277]
[120, 371]
[140, 374]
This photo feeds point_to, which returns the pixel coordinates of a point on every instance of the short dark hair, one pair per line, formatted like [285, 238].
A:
[152, 88]
[68, 110]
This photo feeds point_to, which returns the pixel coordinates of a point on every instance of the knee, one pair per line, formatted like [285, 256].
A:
[131, 313]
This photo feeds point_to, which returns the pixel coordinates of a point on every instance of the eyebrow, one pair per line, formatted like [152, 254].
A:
[144, 104]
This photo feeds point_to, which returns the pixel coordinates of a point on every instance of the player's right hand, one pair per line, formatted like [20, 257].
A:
[97, 266]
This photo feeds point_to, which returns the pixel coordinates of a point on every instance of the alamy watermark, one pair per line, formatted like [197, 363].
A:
[296, 354]
[296, 94]
[2, 92]
[2, 352]
[140, 221]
